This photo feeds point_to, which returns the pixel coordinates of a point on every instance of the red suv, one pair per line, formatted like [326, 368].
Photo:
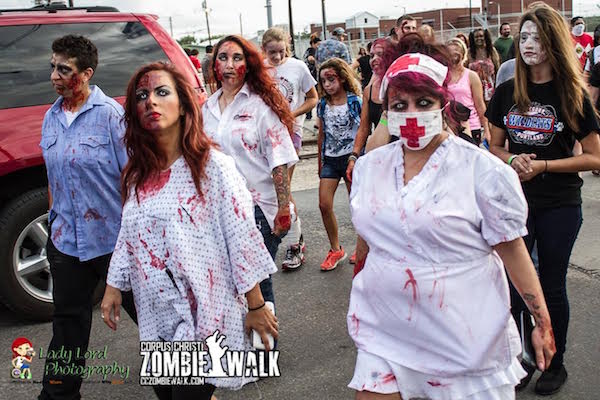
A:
[125, 41]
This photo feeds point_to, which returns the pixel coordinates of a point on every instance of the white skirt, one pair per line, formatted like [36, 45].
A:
[375, 374]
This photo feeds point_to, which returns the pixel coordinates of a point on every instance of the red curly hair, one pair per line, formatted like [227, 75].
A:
[146, 159]
[259, 79]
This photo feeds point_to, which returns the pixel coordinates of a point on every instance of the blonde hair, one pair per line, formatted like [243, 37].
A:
[427, 33]
[277, 35]
[346, 74]
[458, 42]
[555, 39]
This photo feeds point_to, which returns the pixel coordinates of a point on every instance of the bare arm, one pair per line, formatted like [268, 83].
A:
[309, 103]
[364, 129]
[522, 163]
[380, 136]
[282, 188]
[594, 91]
[362, 251]
[477, 92]
[523, 276]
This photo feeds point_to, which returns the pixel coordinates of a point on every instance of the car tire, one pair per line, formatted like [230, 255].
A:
[30, 297]
[15, 217]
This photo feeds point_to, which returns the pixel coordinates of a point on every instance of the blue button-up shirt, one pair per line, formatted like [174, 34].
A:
[84, 163]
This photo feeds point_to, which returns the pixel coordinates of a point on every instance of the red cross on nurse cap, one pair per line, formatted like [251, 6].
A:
[414, 62]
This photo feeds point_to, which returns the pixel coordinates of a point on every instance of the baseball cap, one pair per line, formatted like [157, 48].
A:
[339, 31]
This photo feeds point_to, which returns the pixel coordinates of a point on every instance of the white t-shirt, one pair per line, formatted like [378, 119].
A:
[433, 295]
[70, 116]
[295, 81]
[250, 132]
[189, 259]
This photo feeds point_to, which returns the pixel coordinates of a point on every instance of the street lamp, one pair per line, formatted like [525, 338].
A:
[206, 10]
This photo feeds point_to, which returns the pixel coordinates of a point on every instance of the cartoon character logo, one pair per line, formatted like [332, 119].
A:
[23, 353]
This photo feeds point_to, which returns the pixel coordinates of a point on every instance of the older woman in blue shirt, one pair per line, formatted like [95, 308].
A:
[84, 155]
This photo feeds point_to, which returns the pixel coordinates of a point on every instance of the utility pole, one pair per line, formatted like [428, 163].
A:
[241, 30]
[269, 15]
[171, 25]
[292, 44]
[206, 10]
[471, 14]
[442, 24]
[324, 20]
[71, 3]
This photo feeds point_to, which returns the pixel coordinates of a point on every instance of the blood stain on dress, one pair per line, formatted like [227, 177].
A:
[355, 323]
[153, 185]
[211, 281]
[411, 282]
[58, 233]
[156, 262]
[274, 137]
[437, 384]
[388, 378]
[236, 208]
[247, 146]
[192, 300]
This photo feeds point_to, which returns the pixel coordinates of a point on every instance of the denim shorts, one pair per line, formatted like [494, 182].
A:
[334, 167]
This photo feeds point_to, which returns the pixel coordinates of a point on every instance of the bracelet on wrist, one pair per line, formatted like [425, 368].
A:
[511, 159]
[257, 308]
[352, 157]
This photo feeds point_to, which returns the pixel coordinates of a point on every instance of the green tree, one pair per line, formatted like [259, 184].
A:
[186, 40]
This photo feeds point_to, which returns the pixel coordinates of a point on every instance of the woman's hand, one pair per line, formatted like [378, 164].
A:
[349, 170]
[542, 339]
[263, 322]
[283, 221]
[111, 302]
[536, 168]
[522, 163]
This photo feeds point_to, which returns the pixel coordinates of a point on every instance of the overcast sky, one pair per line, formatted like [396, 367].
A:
[224, 17]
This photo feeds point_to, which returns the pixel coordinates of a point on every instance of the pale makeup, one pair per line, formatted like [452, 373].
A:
[530, 45]
[230, 65]
[276, 52]
[158, 106]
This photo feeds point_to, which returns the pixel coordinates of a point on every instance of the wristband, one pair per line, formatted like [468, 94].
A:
[511, 158]
[383, 121]
[257, 308]
[352, 157]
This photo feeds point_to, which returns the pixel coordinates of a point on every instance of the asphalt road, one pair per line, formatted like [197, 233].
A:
[317, 355]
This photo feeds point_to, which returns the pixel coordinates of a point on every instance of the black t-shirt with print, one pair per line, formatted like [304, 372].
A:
[543, 131]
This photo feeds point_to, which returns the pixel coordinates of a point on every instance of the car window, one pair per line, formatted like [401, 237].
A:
[25, 53]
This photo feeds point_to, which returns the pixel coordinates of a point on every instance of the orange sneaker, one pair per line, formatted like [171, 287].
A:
[352, 259]
[334, 257]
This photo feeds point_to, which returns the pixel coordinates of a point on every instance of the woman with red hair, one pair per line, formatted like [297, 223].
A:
[440, 220]
[251, 120]
[187, 247]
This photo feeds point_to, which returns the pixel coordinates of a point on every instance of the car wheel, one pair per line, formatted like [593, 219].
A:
[25, 281]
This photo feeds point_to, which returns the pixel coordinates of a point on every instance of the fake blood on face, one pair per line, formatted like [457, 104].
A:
[74, 94]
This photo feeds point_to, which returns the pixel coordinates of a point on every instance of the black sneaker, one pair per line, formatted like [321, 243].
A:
[525, 381]
[551, 381]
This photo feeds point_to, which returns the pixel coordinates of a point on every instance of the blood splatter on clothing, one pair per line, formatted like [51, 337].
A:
[189, 280]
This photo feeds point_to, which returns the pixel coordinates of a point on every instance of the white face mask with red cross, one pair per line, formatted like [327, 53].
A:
[415, 129]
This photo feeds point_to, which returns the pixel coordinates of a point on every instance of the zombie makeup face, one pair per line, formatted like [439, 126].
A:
[330, 81]
[413, 117]
[530, 45]
[230, 67]
[375, 56]
[276, 52]
[158, 106]
[67, 80]
[409, 26]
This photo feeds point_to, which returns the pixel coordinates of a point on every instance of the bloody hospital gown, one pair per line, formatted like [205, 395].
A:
[432, 302]
[189, 259]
